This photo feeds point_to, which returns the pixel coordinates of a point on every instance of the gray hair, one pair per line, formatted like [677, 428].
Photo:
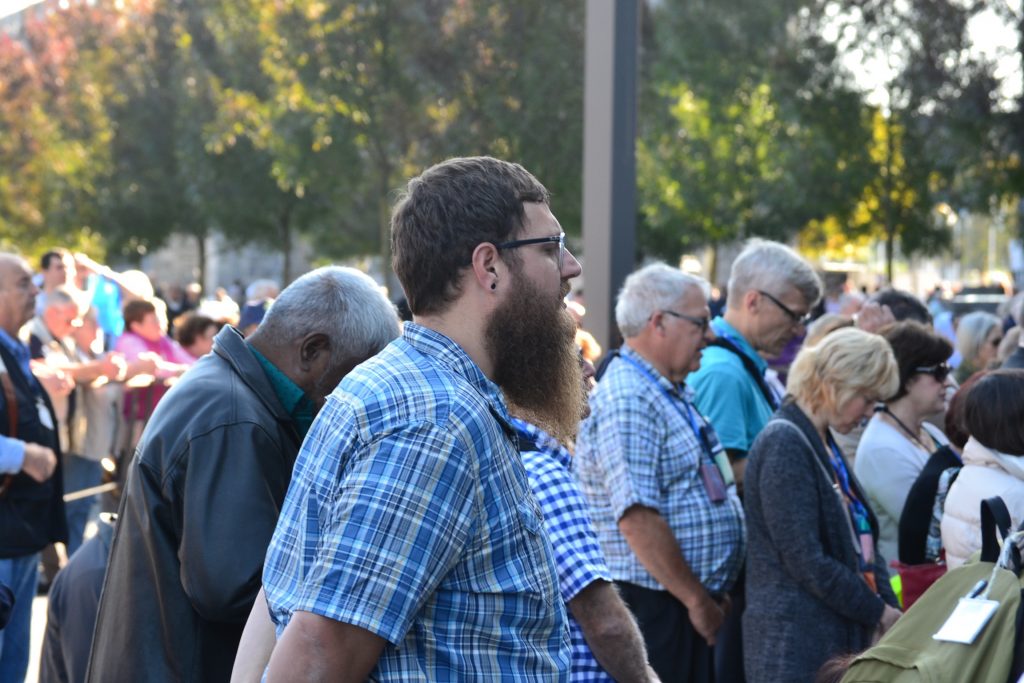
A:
[772, 267]
[972, 331]
[59, 296]
[651, 289]
[343, 303]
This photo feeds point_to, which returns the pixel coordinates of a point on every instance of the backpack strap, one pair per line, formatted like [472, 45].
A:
[751, 369]
[994, 517]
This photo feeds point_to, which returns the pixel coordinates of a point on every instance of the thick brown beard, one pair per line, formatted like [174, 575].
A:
[536, 364]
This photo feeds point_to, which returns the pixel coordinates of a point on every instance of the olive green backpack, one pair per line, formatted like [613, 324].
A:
[908, 653]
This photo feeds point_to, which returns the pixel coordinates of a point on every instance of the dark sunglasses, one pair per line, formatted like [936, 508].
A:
[940, 372]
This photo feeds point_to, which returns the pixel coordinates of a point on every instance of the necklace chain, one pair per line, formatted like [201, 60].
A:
[905, 428]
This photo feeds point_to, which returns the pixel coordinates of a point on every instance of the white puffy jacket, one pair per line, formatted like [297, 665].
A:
[985, 473]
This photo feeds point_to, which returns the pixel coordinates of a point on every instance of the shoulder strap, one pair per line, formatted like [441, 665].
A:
[829, 478]
[602, 367]
[994, 517]
[751, 369]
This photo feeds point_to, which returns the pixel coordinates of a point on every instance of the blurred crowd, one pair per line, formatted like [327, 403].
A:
[310, 488]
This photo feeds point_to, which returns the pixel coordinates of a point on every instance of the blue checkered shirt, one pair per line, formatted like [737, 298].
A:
[410, 515]
[636, 448]
[578, 557]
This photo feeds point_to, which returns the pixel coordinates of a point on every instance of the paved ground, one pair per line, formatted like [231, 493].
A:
[38, 627]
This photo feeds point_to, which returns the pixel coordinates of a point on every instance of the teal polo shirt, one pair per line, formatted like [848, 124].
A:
[727, 394]
[294, 399]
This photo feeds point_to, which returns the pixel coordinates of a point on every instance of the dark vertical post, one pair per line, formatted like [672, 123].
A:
[609, 158]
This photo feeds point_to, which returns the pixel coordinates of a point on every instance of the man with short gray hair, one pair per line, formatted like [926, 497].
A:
[771, 292]
[658, 484]
[210, 475]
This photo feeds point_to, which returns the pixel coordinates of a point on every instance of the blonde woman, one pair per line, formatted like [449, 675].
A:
[815, 585]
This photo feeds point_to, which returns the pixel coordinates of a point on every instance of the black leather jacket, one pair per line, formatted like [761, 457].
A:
[202, 499]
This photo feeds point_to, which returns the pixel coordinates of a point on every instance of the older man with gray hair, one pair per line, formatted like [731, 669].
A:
[658, 483]
[210, 475]
[771, 291]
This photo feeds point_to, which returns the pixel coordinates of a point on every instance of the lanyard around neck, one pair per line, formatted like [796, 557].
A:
[685, 410]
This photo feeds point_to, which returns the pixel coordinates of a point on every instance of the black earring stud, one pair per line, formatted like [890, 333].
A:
[494, 285]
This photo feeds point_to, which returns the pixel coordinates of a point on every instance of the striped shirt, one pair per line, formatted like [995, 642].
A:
[638, 448]
[409, 515]
[578, 557]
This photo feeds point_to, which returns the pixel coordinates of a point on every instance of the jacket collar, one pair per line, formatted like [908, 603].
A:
[229, 345]
[977, 454]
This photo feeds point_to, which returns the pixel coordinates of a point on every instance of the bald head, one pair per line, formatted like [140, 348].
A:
[17, 293]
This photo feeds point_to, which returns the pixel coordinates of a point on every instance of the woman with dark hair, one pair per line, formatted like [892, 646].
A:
[815, 585]
[993, 461]
[897, 442]
[195, 333]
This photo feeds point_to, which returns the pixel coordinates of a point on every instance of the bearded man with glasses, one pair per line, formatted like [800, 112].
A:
[410, 546]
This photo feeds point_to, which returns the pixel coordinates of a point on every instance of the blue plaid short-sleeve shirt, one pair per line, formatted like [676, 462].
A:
[410, 515]
[578, 557]
[637, 448]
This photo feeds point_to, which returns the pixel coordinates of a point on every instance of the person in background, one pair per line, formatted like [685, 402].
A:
[252, 314]
[993, 462]
[210, 475]
[31, 481]
[658, 483]
[144, 334]
[195, 334]
[816, 587]
[898, 442]
[52, 340]
[978, 336]
[606, 643]
[71, 609]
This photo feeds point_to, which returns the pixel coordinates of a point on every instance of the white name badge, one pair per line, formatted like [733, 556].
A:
[44, 415]
[967, 620]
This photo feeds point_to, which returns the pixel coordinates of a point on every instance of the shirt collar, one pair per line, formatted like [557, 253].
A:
[723, 329]
[680, 389]
[294, 400]
[443, 349]
[533, 438]
[18, 350]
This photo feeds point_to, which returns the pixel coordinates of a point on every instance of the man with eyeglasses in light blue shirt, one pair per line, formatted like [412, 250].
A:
[772, 290]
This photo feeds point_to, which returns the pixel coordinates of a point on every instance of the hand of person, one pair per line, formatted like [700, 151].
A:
[707, 616]
[39, 462]
[872, 317]
[113, 365]
[889, 616]
[83, 262]
[54, 380]
[146, 363]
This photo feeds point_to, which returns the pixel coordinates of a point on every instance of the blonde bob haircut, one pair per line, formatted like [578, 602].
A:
[845, 363]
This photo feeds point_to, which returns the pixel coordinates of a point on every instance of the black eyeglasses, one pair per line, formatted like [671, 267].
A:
[702, 323]
[559, 239]
[793, 315]
[940, 372]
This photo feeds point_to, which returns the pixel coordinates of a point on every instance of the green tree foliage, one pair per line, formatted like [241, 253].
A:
[747, 127]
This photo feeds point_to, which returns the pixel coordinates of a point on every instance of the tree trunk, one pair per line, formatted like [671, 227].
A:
[201, 253]
[890, 228]
[284, 224]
